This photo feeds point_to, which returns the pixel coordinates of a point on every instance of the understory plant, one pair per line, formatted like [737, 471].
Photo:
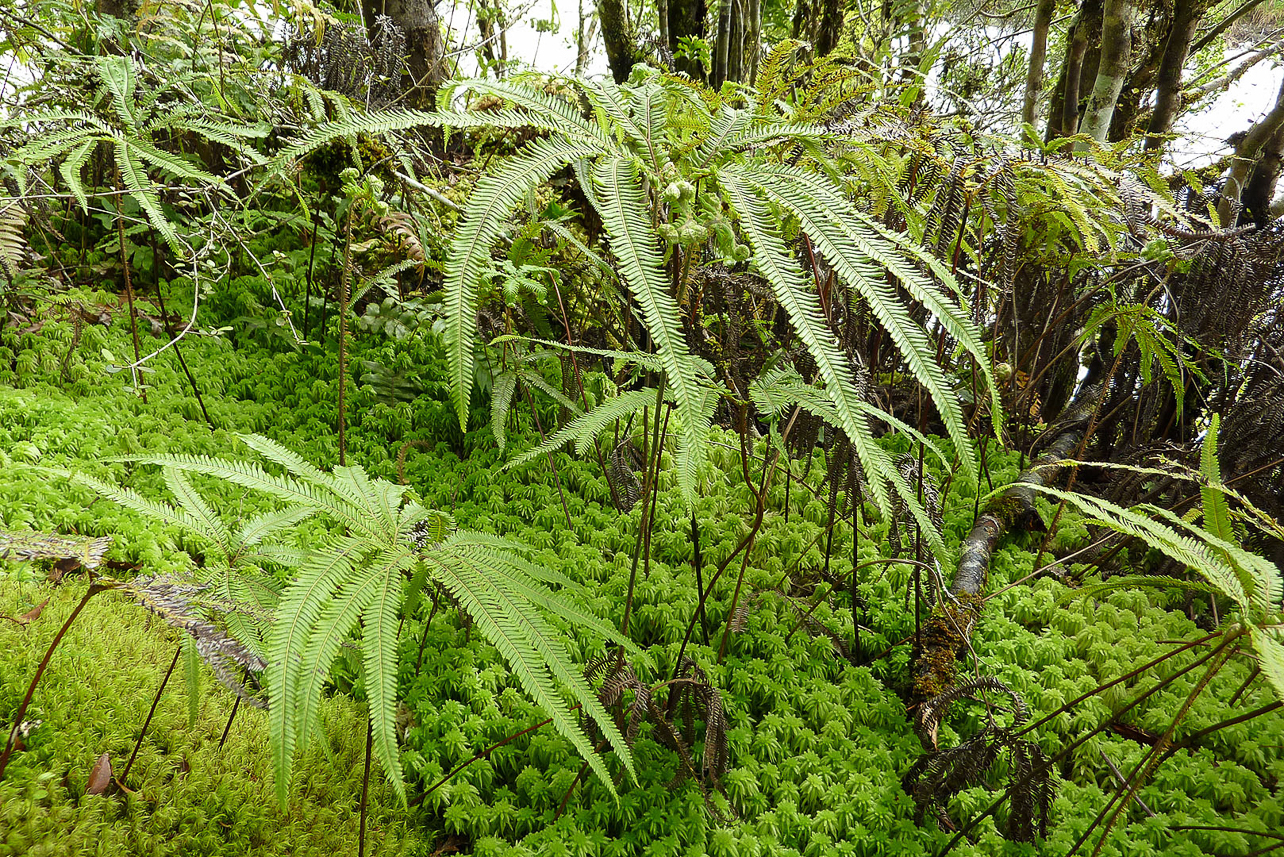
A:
[682, 179]
[369, 574]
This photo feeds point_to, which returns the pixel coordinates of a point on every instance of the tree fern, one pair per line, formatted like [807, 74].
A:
[362, 578]
[638, 151]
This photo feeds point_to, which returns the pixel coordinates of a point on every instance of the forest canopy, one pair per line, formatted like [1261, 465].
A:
[720, 428]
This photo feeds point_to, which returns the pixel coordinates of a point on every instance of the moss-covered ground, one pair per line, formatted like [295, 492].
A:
[817, 746]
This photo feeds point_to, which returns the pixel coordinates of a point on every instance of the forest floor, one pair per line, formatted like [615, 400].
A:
[817, 745]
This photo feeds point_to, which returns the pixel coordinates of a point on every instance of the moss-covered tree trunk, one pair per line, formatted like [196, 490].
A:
[1186, 18]
[1116, 48]
[1246, 156]
[1038, 54]
[620, 53]
[425, 45]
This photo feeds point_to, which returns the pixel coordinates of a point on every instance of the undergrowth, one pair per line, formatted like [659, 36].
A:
[817, 746]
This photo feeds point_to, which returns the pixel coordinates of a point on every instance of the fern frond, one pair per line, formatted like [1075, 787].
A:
[379, 644]
[1185, 549]
[485, 218]
[543, 110]
[635, 245]
[584, 429]
[822, 223]
[70, 170]
[194, 504]
[298, 615]
[250, 475]
[140, 187]
[532, 650]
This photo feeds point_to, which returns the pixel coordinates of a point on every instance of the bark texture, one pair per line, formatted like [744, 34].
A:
[1116, 49]
[686, 20]
[1186, 17]
[1246, 156]
[1038, 55]
[1063, 111]
[1259, 189]
[425, 45]
[617, 38]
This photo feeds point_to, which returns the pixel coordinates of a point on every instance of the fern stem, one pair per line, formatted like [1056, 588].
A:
[129, 294]
[653, 463]
[93, 590]
[227, 730]
[365, 788]
[124, 775]
[343, 333]
[1144, 768]
[178, 351]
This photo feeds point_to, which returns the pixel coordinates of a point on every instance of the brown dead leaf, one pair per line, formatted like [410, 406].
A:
[100, 776]
[62, 568]
[31, 615]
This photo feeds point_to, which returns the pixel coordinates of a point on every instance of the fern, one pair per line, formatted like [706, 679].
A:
[363, 578]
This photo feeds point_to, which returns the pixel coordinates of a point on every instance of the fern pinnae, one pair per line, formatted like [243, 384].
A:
[501, 399]
[154, 509]
[635, 245]
[379, 643]
[300, 607]
[526, 643]
[143, 191]
[256, 529]
[251, 475]
[485, 218]
[195, 505]
[910, 338]
[338, 618]
[512, 555]
[586, 427]
[70, 170]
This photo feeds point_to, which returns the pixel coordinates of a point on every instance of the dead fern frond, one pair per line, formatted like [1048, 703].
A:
[180, 605]
[941, 774]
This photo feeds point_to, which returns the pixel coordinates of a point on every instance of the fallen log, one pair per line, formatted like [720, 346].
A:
[949, 628]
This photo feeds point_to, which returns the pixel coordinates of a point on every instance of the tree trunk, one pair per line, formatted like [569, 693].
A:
[583, 39]
[1246, 156]
[722, 45]
[736, 52]
[425, 46]
[662, 12]
[753, 41]
[1259, 189]
[1038, 54]
[615, 35]
[124, 9]
[1186, 18]
[686, 20]
[1116, 47]
[831, 27]
[950, 626]
[1085, 31]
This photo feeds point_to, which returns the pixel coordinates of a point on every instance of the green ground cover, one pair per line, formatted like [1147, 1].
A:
[817, 746]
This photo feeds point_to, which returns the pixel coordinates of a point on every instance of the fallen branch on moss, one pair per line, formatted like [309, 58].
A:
[951, 624]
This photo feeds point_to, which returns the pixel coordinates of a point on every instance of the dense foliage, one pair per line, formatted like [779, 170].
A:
[819, 475]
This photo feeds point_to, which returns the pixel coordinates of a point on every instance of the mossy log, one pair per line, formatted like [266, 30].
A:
[950, 626]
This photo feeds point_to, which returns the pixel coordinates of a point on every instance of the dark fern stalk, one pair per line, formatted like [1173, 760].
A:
[343, 333]
[93, 590]
[178, 350]
[124, 775]
[129, 293]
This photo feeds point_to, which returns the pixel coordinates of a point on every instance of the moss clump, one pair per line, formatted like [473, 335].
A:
[942, 638]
